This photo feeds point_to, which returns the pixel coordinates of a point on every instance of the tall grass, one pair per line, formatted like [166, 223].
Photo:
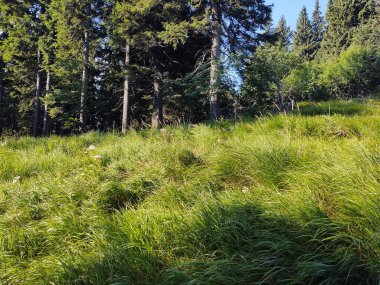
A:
[281, 200]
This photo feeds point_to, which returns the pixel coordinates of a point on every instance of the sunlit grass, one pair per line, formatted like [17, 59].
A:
[280, 200]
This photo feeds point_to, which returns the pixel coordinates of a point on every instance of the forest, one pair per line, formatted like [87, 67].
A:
[71, 66]
[189, 142]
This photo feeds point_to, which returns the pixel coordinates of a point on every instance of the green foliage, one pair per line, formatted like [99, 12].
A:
[283, 33]
[280, 200]
[303, 36]
[342, 18]
[318, 27]
[265, 72]
[354, 73]
[303, 82]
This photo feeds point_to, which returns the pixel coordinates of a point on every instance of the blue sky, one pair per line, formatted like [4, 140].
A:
[291, 8]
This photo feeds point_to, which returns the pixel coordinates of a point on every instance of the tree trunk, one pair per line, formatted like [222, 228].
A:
[158, 114]
[2, 97]
[46, 125]
[216, 22]
[280, 98]
[86, 58]
[37, 101]
[126, 108]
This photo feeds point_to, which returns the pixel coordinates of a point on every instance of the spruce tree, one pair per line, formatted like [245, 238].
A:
[234, 25]
[318, 27]
[343, 17]
[303, 37]
[76, 31]
[21, 56]
[153, 30]
[283, 33]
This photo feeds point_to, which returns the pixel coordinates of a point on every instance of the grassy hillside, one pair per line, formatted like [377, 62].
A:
[277, 200]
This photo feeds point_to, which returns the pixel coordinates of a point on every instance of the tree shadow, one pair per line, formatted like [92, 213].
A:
[327, 108]
[243, 244]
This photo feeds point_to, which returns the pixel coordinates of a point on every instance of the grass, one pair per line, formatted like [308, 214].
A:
[280, 200]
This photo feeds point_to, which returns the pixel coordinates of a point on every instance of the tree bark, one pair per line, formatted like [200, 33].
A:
[2, 96]
[37, 101]
[216, 23]
[280, 98]
[158, 114]
[126, 99]
[86, 58]
[46, 125]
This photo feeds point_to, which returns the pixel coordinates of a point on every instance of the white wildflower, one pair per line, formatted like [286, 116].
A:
[91, 147]
[97, 157]
[16, 179]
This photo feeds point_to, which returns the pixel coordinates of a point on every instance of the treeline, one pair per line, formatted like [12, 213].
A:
[72, 66]
[337, 56]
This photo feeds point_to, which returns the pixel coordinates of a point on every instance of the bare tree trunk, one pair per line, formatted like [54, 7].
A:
[86, 57]
[126, 108]
[46, 125]
[215, 59]
[280, 98]
[37, 101]
[2, 97]
[158, 114]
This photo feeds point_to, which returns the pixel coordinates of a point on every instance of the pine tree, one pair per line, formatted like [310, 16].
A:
[21, 55]
[343, 17]
[283, 33]
[76, 31]
[318, 26]
[303, 37]
[232, 24]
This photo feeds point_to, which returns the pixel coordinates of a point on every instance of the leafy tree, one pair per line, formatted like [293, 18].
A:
[265, 73]
[356, 72]
[303, 82]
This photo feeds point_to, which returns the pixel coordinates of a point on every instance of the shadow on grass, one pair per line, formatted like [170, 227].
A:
[241, 244]
[227, 244]
[116, 262]
[345, 108]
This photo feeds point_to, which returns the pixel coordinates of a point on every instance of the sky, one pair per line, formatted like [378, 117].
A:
[291, 9]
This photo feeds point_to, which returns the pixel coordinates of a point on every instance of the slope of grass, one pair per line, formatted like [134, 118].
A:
[282, 200]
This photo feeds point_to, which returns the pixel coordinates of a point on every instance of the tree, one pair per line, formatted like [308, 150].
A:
[303, 37]
[265, 73]
[21, 56]
[283, 33]
[76, 31]
[342, 18]
[318, 28]
[2, 98]
[233, 25]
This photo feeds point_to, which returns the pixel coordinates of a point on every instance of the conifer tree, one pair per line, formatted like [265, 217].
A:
[318, 27]
[21, 55]
[303, 37]
[76, 30]
[342, 18]
[234, 25]
[283, 33]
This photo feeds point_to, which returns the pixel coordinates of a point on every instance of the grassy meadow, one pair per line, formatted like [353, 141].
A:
[275, 200]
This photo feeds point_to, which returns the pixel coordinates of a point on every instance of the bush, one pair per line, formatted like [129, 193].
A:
[354, 73]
